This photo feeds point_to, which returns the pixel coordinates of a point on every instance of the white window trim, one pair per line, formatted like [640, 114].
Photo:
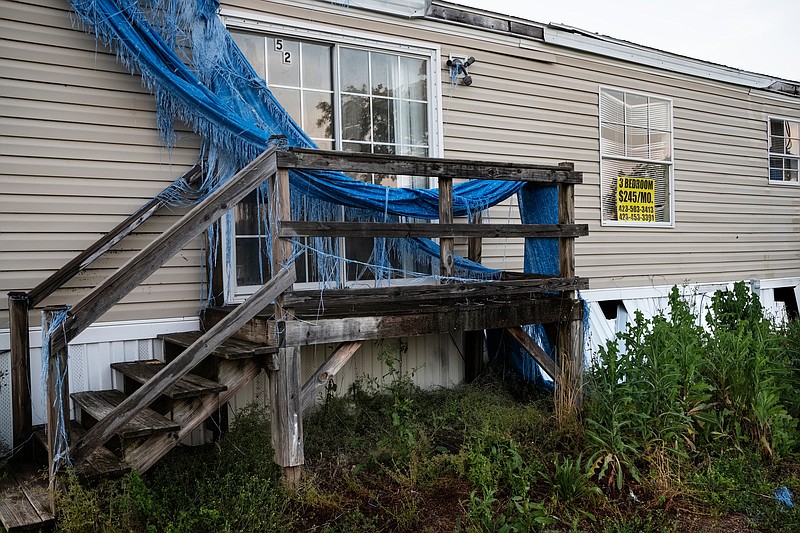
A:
[290, 28]
[670, 164]
[781, 183]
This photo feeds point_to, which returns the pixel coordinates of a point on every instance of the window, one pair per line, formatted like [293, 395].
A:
[635, 158]
[784, 150]
[346, 96]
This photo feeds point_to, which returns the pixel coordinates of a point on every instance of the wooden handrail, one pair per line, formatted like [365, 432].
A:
[158, 252]
[107, 241]
[302, 158]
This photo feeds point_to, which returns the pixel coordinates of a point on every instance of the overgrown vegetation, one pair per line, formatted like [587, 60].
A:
[684, 427]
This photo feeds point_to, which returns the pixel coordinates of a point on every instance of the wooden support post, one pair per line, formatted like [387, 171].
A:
[569, 346]
[284, 383]
[474, 340]
[20, 366]
[446, 244]
[57, 408]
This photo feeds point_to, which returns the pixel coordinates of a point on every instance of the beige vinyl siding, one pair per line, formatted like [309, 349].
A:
[80, 145]
[79, 152]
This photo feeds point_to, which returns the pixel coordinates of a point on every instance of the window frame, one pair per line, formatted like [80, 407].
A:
[670, 163]
[782, 182]
[309, 32]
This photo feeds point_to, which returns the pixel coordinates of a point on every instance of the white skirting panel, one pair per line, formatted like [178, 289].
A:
[6, 423]
[651, 301]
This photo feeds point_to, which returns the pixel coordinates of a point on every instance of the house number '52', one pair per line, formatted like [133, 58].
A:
[286, 56]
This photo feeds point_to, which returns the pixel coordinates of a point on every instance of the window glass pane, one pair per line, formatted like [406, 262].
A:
[413, 123]
[792, 129]
[636, 110]
[248, 270]
[318, 109]
[659, 114]
[792, 142]
[637, 142]
[790, 174]
[776, 127]
[247, 216]
[383, 112]
[384, 74]
[290, 100]
[252, 46]
[357, 147]
[612, 106]
[283, 62]
[317, 67]
[356, 119]
[612, 139]
[414, 78]
[354, 70]
[660, 145]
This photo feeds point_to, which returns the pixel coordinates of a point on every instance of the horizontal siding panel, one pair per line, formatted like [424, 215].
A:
[89, 168]
[65, 149]
[69, 76]
[70, 205]
[28, 129]
[61, 116]
[540, 131]
[40, 242]
[533, 106]
[53, 97]
[148, 186]
[51, 223]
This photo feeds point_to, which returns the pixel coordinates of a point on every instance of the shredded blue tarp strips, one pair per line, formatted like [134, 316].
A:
[234, 108]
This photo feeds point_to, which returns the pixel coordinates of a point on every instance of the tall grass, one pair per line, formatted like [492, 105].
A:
[667, 387]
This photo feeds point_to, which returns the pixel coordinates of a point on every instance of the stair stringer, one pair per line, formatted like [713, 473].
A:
[233, 374]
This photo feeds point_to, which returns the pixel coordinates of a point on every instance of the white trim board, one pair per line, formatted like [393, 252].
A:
[115, 331]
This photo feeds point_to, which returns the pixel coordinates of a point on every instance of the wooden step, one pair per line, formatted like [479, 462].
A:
[231, 349]
[189, 386]
[101, 463]
[24, 499]
[98, 404]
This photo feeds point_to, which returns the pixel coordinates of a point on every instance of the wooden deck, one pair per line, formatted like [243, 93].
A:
[25, 503]
[268, 329]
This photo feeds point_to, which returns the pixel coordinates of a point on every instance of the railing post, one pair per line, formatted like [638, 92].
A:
[446, 244]
[20, 366]
[57, 408]
[474, 340]
[284, 382]
[569, 347]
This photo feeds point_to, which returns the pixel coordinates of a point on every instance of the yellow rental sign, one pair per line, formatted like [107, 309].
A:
[636, 199]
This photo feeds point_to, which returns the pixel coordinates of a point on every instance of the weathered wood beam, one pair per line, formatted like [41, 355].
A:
[181, 365]
[107, 241]
[158, 252]
[362, 298]
[286, 408]
[424, 166]
[57, 406]
[446, 244]
[323, 375]
[534, 350]
[569, 338]
[405, 230]
[445, 319]
[19, 339]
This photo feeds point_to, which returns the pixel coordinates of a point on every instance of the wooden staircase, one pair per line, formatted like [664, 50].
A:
[162, 403]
